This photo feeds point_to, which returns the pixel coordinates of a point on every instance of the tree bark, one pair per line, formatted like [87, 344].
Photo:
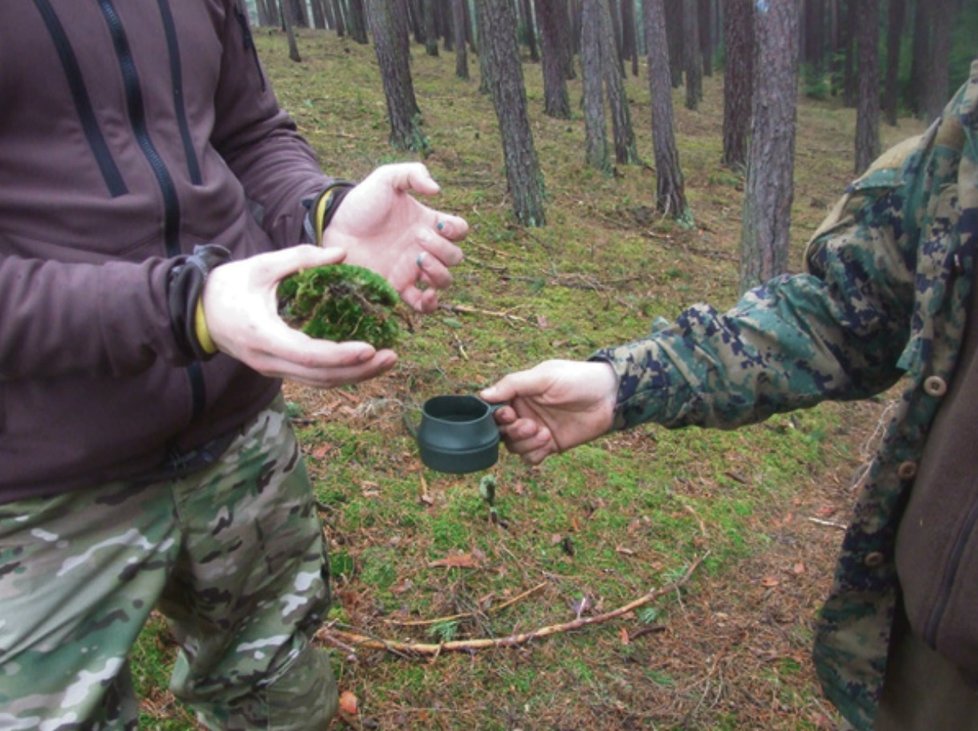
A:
[458, 28]
[936, 78]
[704, 12]
[626, 151]
[509, 99]
[770, 188]
[738, 80]
[286, 8]
[552, 17]
[849, 81]
[670, 193]
[530, 27]
[868, 105]
[919, 56]
[595, 136]
[299, 16]
[629, 34]
[692, 56]
[395, 72]
[894, 34]
[340, 19]
[675, 34]
[430, 35]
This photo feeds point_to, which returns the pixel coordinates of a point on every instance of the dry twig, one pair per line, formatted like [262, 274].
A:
[463, 615]
[424, 648]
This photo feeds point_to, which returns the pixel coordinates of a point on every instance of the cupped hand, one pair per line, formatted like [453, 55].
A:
[241, 310]
[383, 227]
[554, 406]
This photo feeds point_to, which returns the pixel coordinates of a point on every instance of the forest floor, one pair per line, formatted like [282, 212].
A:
[739, 528]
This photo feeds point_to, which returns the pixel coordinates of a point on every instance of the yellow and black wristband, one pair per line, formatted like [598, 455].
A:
[326, 204]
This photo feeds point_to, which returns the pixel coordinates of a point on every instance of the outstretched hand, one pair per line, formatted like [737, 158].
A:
[241, 310]
[383, 227]
[554, 406]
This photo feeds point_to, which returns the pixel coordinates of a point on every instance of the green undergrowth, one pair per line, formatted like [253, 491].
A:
[594, 528]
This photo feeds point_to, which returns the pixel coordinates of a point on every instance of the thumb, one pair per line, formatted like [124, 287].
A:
[523, 383]
[282, 263]
[414, 176]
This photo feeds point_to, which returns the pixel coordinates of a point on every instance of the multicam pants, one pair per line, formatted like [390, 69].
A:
[232, 555]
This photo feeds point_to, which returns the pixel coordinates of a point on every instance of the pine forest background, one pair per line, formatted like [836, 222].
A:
[609, 162]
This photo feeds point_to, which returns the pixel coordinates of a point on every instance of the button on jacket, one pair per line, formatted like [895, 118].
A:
[130, 132]
[884, 297]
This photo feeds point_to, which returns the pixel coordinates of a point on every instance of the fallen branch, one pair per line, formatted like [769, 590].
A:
[829, 523]
[466, 310]
[464, 615]
[423, 648]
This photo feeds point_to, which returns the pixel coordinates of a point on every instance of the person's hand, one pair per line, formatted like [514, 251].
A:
[554, 406]
[241, 310]
[383, 227]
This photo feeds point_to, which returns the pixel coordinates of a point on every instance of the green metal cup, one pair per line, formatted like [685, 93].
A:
[458, 434]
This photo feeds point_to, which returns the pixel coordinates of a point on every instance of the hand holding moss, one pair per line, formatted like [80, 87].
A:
[341, 302]
[240, 303]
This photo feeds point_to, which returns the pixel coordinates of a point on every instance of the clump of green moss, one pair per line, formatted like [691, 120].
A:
[341, 302]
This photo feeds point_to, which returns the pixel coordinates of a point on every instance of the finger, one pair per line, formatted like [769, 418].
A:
[286, 344]
[439, 247]
[280, 264]
[451, 227]
[407, 176]
[332, 376]
[432, 271]
[420, 300]
[521, 383]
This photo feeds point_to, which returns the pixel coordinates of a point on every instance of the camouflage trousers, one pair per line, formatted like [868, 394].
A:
[233, 556]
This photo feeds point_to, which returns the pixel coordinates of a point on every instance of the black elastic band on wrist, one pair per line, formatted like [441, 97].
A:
[184, 288]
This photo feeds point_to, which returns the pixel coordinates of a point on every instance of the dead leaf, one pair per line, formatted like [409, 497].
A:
[456, 561]
[321, 450]
[624, 551]
[348, 703]
[798, 568]
[770, 581]
[623, 636]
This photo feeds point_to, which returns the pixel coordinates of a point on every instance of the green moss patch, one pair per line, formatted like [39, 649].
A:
[341, 302]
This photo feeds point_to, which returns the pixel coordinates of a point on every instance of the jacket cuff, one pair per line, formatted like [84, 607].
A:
[184, 288]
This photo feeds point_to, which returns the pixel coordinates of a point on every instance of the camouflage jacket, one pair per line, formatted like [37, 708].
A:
[884, 297]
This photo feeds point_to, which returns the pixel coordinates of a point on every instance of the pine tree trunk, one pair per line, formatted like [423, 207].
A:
[290, 31]
[430, 34]
[920, 56]
[770, 188]
[626, 151]
[868, 105]
[552, 17]
[595, 136]
[675, 33]
[509, 99]
[395, 73]
[458, 28]
[894, 34]
[340, 19]
[692, 56]
[738, 80]
[670, 193]
[849, 82]
[531, 36]
[936, 79]
[704, 12]
[629, 36]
